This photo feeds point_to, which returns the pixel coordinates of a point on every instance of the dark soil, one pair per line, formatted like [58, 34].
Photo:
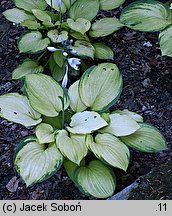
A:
[147, 90]
[156, 185]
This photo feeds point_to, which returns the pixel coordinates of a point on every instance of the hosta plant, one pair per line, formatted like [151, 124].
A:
[151, 16]
[66, 29]
[76, 128]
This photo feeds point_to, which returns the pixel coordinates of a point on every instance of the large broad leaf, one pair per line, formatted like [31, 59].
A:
[58, 37]
[102, 51]
[17, 16]
[165, 41]
[95, 179]
[80, 25]
[146, 139]
[72, 146]
[146, 16]
[84, 48]
[45, 94]
[100, 87]
[104, 27]
[75, 101]
[32, 42]
[110, 4]
[54, 4]
[56, 71]
[31, 4]
[45, 133]
[121, 125]
[109, 148]
[36, 163]
[133, 115]
[27, 67]
[31, 24]
[86, 122]
[84, 9]
[16, 108]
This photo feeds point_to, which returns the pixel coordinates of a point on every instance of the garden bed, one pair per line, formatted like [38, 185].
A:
[147, 90]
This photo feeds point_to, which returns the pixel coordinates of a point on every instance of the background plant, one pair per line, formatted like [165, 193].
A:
[74, 125]
[65, 28]
[151, 16]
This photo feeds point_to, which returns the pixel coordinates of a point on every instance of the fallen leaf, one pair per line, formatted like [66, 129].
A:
[13, 184]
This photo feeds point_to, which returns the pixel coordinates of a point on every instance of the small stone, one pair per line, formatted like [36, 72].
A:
[146, 83]
[147, 44]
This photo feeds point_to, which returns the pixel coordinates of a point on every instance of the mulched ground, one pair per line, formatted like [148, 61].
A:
[147, 90]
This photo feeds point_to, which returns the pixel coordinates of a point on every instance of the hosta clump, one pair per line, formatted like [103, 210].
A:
[73, 125]
[63, 27]
[151, 16]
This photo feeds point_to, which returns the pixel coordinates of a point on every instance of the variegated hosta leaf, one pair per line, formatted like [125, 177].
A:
[84, 48]
[17, 16]
[58, 58]
[146, 16]
[104, 27]
[49, 24]
[31, 24]
[146, 139]
[70, 167]
[95, 179]
[165, 41]
[79, 36]
[80, 25]
[58, 37]
[54, 16]
[110, 4]
[121, 125]
[54, 4]
[16, 108]
[75, 100]
[45, 133]
[69, 3]
[86, 122]
[102, 51]
[44, 94]
[32, 42]
[31, 4]
[100, 86]
[56, 71]
[72, 146]
[36, 163]
[41, 15]
[133, 115]
[27, 67]
[84, 9]
[109, 148]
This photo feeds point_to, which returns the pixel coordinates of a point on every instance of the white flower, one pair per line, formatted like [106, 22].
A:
[52, 49]
[74, 63]
[65, 78]
[73, 52]
[65, 54]
[171, 6]
[59, 3]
